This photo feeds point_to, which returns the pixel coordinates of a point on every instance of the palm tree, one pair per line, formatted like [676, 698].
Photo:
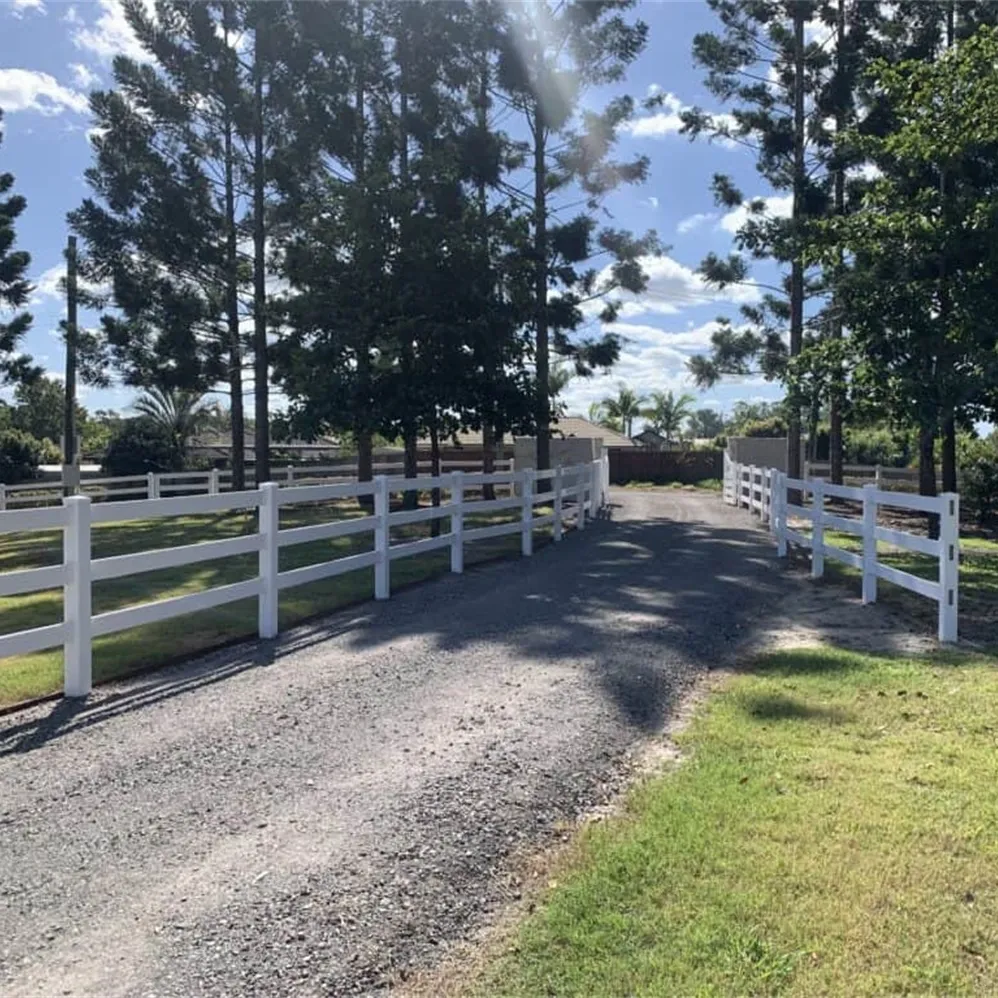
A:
[180, 413]
[625, 408]
[599, 416]
[667, 412]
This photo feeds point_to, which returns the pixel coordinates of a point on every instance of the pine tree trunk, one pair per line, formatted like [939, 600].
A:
[488, 458]
[541, 360]
[232, 312]
[835, 399]
[261, 367]
[797, 266]
[927, 470]
[948, 457]
[435, 471]
[410, 442]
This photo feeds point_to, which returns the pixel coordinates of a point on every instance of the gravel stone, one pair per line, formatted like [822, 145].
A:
[323, 814]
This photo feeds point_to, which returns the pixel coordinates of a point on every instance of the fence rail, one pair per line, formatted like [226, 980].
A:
[575, 493]
[767, 491]
[154, 485]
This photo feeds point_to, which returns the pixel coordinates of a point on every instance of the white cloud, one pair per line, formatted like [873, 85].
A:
[672, 286]
[71, 16]
[776, 207]
[667, 120]
[652, 203]
[31, 90]
[866, 171]
[110, 35]
[47, 287]
[20, 7]
[692, 340]
[695, 221]
[83, 75]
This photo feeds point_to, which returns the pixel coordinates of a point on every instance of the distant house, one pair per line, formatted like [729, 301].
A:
[650, 440]
[577, 426]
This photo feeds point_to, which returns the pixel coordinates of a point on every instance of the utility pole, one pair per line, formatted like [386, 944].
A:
[70, 469]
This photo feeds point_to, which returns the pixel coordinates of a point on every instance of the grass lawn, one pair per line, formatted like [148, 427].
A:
[832, 831]
[706, 485]
[143, 647]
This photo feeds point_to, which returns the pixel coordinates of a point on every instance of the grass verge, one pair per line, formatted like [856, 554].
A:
[833, 831]
[140, 648]
[704, 485]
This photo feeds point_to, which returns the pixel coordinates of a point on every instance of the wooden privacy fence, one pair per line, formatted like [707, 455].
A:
[632, 464]
[156, 485]
[768, 491]
[573, 493]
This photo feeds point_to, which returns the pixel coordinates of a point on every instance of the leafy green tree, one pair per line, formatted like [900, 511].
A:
[139, 446]
[20, 455]
[599, 415]
[705, 423]
[923, 246]
[554, 55]
[668, 411]
[39, 409]
[180, 414]
[14, 285]
[624, 408]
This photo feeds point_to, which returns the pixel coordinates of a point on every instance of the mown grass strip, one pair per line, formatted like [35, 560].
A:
[832, 831]
[140, 648]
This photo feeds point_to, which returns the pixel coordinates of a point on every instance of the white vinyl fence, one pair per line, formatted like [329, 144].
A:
[767, 492]
[573, 493]
[156, 485]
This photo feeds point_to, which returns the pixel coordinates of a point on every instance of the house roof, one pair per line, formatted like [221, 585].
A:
[578, 426]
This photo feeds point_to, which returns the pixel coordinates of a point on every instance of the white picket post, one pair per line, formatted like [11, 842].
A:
[527, 513]
[594, 498]
[869, 543]
[213, 482]
[152, 485]
[77, 653]
[580, 498]
[818, 529]
[268, 559]
[558, 486]
[457, 522]
[3, 496]
[382, 578]
[290, 474]
[878, 477]
[949, 566]
[781, 514]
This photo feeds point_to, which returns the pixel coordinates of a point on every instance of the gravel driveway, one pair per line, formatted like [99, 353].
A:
[319, 814]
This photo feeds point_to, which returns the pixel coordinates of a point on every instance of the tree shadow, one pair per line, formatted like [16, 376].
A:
[779, 707]
[643, 606]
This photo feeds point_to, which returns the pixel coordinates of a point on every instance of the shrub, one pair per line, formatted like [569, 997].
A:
[140, 446]
[891, 448]
[20, 455]
[979, 478]
[50, 452]
[771, 426]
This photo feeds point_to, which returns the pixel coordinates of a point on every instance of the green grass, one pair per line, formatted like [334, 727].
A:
[832, 831]
[706, 485]
[138, 648]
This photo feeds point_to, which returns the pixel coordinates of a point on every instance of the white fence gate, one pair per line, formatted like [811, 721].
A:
[766, 491]
[582, 487]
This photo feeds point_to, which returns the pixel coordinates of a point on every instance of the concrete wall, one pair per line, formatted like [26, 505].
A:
[564, 452]
[764, 452]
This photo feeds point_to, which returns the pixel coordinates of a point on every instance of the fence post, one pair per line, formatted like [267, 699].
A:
[781, 514]
[818, 529]
[580, 498]
[213, 482]
[457, 522]
[152, 485]
[3, 496]
[77, 653]
[869, 543]
[807, 470]
[382, 579]
[291, 474]
[878, 477]
[949, 566]
[558, 485]
[268, 560]
[594, 490]
[527, 513]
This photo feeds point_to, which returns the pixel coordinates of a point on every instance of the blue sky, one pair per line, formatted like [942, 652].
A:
[53, 53]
